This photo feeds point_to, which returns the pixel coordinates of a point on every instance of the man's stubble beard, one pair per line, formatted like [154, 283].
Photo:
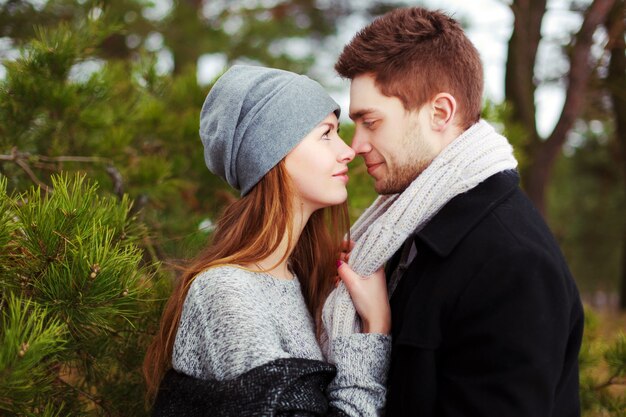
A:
[419, 155]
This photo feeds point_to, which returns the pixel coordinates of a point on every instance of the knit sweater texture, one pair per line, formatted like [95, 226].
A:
[235, 320]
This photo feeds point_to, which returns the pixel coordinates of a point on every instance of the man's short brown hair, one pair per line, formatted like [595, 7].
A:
[413, 54]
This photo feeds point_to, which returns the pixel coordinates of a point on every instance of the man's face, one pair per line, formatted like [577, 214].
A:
[397, 144]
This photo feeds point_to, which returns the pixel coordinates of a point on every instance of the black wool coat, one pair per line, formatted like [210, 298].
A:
[486, 319]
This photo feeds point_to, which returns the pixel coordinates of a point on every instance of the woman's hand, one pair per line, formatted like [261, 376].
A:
[369, 295]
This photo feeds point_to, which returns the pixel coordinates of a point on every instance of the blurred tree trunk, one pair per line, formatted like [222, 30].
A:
[184, 33]
[520, 64]
[520, 86]
[616, 81]
[115, 47]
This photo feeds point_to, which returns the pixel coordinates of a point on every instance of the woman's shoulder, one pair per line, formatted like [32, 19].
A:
[223, 294]
[221, 273]
[225, 283]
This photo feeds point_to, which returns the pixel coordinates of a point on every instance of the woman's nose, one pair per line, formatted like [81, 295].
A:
[347, 153]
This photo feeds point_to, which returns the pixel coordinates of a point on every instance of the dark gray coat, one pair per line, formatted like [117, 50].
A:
[288, 387]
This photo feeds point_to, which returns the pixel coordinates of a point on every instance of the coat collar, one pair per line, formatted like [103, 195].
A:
[455, 220]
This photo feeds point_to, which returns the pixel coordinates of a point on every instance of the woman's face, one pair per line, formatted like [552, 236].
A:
[318, 166]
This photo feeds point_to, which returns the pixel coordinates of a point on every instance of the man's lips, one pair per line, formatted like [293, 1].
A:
[372, 167]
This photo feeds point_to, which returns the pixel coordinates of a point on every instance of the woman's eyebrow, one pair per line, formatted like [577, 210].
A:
[330, 125]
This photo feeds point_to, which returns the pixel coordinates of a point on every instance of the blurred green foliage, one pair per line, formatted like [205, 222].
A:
[587, 209]
[131, 129]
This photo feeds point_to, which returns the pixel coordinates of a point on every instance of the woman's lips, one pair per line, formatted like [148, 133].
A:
[343, 176]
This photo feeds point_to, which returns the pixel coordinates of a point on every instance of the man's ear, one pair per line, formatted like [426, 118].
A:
[443, 110]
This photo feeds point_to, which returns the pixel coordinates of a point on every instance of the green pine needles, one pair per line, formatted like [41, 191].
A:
[602, 364]
[75, 302]
[31, 342]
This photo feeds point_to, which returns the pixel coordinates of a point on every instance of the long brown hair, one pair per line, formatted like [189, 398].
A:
[248, 231]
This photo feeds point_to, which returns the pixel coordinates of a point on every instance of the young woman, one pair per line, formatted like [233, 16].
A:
[241, 333]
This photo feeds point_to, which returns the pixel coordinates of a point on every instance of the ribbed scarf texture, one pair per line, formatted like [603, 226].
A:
[477, 154]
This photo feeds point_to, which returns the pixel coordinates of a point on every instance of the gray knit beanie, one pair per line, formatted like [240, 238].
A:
[253, 117]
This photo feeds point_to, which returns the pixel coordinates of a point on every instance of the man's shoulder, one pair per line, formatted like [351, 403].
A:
[494, 215]
[514, 237]
[514, 224]
[508, 228]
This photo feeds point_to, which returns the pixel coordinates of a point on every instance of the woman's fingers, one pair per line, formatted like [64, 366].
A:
[348, 276]
[369, 296]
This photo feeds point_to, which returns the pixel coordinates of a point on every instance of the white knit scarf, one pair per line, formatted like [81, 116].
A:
[477, 154]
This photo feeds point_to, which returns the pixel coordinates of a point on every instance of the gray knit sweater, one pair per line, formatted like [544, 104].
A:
[234, 320]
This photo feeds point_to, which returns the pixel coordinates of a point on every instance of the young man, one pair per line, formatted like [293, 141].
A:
[486, 318]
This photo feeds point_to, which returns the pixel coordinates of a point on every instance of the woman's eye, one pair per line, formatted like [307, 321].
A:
[369, 123]
[325, 135]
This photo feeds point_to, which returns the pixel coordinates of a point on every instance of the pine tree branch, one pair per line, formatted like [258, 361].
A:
[47, 167]
[72, 159]
[25, 159]
[613, 380]
[19, 159]
[120, 333]
[118, 181]
[97, 401]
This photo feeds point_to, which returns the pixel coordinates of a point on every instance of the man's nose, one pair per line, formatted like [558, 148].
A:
[360, 143]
